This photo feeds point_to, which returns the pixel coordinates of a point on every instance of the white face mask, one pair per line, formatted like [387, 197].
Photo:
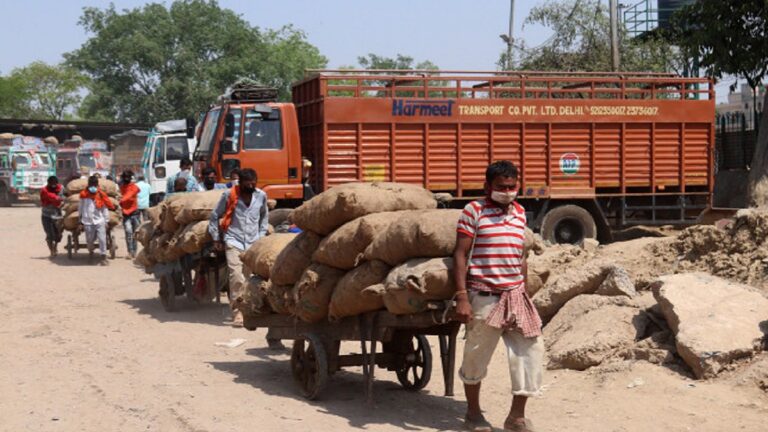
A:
[503, 198]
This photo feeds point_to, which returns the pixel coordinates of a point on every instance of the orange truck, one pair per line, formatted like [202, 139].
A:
[596, 151]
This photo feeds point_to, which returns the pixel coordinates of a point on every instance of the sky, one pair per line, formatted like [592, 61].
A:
[454, 34]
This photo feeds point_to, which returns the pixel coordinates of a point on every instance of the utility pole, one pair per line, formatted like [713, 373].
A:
[507, 38]
[510, 61]
[614, 10]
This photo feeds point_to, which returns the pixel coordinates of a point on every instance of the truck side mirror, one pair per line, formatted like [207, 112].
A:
[229, 125]
[191, 128]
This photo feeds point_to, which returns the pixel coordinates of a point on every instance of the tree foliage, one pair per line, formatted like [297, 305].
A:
[728, 37]
[13, 97]
[374, 61]
[157, 62]
[581, 41]
[41, 91]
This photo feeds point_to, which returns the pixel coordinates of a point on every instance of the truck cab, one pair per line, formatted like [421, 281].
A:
[25, 165]
[167, 144]
[248, 129]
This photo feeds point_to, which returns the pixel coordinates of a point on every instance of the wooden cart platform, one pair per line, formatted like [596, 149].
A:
[405, 349]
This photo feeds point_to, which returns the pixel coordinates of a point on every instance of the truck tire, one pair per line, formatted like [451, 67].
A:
[568, 224]
[5, 197]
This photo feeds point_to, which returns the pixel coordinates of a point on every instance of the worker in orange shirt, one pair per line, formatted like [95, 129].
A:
[129, 203]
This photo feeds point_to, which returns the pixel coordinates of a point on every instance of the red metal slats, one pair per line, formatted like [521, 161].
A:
[535, 162]
[342, 154]
[637, 142]
[475, 157]
[667, 153]
[409, 159]
[607, 138]
[375, 152]
[442, 160]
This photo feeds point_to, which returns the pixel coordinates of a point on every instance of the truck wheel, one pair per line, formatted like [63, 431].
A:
[5, 197]
[568, 224]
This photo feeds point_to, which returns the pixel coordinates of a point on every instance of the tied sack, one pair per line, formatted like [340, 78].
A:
[144, 233]
[144, 260]
[253, 301]
[312, 293]
[341, 204]
[343, 248]
[350, 298]
[262, 254]
[294, 259]
[154, 213]
[193, 207]
[279, 298]
[416, 234]
[410, 286]
[78, 185]
[194, 237]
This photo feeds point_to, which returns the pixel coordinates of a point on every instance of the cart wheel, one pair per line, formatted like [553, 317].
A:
[112, 247]
[69, 246]
[167, 294]
[309, 364]
[416, 368]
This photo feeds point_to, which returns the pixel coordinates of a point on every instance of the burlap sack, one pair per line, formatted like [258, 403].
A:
[193, 207]
[343, 248]
[115, 218]
[409, 286]
[261, 256]
[194, 237]
[341, 204]
[350, 298]
[144, 233]
[77, 185]
[165, 248]
[416, 234]
[294, 259]
[72, 220]
[72, 203]
[253, 301]
[279, 298]
[155, 213]
[144, 260]
[312, 293]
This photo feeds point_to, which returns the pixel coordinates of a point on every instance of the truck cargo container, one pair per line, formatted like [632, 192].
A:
[596, 151]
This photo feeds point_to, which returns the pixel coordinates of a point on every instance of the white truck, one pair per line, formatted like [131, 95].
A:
[158, 157]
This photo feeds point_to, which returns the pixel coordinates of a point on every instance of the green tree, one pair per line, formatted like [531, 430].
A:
[51, 91]
[727, 37]
[13, 97]
[373, 61]
[581, 41]
[156, 62]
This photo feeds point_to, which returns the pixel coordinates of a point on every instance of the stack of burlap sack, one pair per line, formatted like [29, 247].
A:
[364, 247]
[72, 201]
[177, 226]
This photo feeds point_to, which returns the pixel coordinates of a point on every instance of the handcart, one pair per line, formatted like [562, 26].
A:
[73, 242]
[405, 349]
[177, 278]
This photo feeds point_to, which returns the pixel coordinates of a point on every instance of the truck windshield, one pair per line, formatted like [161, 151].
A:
[262, 133]
[209, 131]
[43, 159]
[176, 148]
[86, 160]
[22, 159]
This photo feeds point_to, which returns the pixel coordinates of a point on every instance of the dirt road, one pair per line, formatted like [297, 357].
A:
[89, 348]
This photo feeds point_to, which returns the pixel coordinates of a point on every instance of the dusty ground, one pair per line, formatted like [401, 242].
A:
[89, 348]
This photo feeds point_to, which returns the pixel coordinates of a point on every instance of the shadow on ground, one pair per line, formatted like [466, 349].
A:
[186, 311]
[344, 394]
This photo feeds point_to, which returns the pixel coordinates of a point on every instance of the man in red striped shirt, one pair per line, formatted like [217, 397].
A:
[490, 269]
